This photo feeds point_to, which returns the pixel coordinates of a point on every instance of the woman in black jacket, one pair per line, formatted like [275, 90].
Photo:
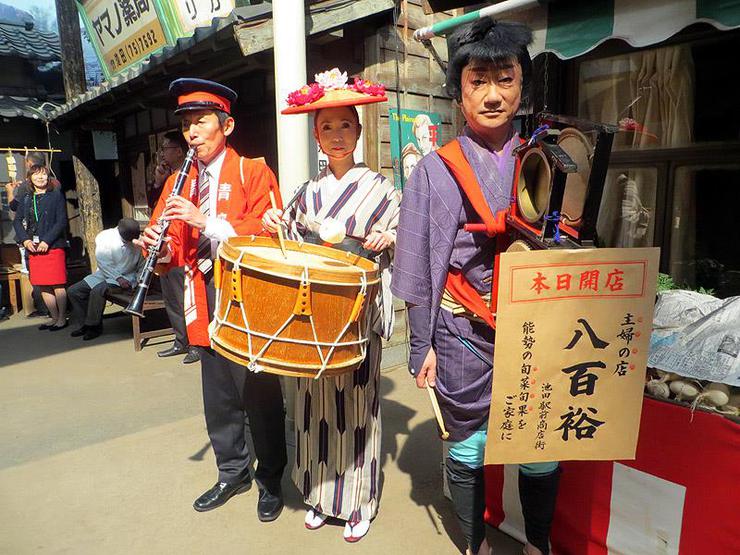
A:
[40, 222]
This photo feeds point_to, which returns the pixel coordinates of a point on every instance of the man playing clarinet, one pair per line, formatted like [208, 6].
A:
[224, 195]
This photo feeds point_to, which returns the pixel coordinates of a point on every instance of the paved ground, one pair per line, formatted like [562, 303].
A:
[103, 450]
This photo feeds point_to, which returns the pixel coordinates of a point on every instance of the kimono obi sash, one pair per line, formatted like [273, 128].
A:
[451, 304]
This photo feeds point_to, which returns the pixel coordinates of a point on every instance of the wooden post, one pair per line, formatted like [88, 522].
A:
[73, 70]
[73, 63]
[371, 113]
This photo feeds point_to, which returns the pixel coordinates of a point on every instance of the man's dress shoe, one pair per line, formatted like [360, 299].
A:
[92, 332]
[79, 332]
[192, 356]
[172, 351]
[219, 494]
[269, 506]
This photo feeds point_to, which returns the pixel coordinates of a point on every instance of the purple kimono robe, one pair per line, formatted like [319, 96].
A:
[431, 239]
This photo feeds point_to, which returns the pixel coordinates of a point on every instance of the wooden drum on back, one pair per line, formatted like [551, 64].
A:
[302, 315]
[579, 148]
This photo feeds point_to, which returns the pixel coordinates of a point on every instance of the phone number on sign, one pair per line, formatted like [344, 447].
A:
[132, 50]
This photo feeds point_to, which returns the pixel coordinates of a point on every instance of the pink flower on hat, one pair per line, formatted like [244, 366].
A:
[368, 87]
[331, 90]
[306, 95]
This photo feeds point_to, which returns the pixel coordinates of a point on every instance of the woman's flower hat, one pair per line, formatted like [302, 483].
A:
[331, 90]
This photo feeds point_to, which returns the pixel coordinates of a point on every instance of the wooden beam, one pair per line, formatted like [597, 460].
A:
[73, 63]
[83, 157]
[255, 37]
[370, 113]
[88, 193]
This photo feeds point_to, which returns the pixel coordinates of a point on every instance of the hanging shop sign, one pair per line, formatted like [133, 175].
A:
[414, 134]
[123, 32]
[572, 336]
[127, 32]
[183, 16]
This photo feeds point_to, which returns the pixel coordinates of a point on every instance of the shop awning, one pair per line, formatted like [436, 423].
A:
[569, 29]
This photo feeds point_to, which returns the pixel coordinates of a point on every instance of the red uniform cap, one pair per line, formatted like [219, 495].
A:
[200, 94]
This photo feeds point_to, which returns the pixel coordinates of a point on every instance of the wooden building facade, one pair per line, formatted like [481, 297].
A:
[371, 38]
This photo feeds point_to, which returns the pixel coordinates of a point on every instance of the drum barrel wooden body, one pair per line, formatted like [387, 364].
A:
[304, 315]
[578, 147]
[534, 182]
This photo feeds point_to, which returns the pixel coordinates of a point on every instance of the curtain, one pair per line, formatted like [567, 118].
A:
[650, 94]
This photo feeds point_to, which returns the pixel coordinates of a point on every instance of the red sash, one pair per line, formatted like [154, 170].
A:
[458, 286]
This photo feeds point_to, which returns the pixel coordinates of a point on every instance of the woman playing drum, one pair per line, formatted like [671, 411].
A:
[338, 418]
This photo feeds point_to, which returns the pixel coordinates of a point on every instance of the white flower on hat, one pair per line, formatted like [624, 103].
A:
[332, 79]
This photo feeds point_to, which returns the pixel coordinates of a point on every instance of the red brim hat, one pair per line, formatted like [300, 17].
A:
[335, 98]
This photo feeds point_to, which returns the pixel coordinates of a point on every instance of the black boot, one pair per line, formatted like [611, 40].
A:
[468, 499]
[538, 495]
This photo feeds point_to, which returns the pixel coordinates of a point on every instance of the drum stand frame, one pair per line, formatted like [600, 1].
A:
[540, 235]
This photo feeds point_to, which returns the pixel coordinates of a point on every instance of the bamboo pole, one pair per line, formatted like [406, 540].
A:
[26, 150]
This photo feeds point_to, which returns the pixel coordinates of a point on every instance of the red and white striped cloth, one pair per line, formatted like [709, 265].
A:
[678, 497]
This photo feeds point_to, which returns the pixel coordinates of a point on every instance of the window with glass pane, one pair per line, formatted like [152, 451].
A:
[649, 93]
[705, 244]
[665, 97]
[626, 215]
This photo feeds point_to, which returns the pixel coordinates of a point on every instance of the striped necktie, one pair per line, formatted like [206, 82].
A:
[205, 264]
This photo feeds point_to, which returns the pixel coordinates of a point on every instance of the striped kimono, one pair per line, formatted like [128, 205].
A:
[338, 419]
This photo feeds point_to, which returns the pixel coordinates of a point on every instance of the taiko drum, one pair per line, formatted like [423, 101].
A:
[300, 314]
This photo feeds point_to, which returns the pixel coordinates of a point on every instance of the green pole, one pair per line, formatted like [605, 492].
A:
[444, 27]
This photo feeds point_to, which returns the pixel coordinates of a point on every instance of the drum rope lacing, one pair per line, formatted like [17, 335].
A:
[254, 365]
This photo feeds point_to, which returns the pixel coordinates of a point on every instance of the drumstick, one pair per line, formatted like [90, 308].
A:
[437, 412]
[280, 229]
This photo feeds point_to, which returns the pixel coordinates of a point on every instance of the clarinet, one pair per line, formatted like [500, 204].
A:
[136, 306]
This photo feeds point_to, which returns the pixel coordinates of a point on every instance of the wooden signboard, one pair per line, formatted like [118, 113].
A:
[127, 32]
[184, 16]
[572, 337]
[123, 32]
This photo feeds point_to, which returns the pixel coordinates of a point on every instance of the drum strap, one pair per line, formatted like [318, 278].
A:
[457, 284]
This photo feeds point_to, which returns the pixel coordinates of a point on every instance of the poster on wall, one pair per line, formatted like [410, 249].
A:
[572, 337]
[105, 145]
[414, 134]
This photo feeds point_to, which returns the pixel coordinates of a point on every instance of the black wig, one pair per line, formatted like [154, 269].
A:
[496, 42]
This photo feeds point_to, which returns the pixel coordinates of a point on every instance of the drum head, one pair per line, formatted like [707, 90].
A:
[317, 263]
[519, 246]
[533, 185]
[579, 148]
[313, 261]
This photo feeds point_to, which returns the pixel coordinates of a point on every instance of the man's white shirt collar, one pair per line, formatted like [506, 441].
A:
[217, 228]
[213, 169]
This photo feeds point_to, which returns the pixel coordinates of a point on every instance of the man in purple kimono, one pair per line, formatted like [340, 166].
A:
[451, 345]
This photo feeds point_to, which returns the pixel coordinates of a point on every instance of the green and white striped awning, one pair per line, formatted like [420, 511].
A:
[570, 28]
